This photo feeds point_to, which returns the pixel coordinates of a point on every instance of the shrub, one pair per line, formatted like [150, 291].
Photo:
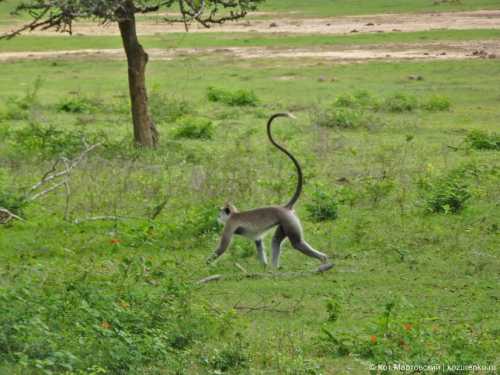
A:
[399, 102]
[78, 104]
[344, 118]
[234, 98]
[447, 194]
[437, 103]
[194, 128]
[230, 359]
[480, 140]
[323, 207]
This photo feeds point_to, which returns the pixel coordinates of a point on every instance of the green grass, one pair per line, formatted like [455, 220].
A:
[200, 40]
[439, 270]
[326, 8]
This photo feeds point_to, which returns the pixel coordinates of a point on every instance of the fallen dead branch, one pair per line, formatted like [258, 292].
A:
[6, 216]
[101, 218]
[52, 177]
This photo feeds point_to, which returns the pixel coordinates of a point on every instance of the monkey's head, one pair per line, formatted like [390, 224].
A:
[225, 212]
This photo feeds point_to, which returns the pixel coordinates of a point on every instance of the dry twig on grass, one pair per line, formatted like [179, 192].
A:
[6, 216]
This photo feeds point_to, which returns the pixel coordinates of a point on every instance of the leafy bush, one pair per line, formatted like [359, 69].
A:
[480, 140]
[437, 103]
[78, 104]
[194, 128]
[399, 102]
[343, 118]
[166, 108]
[234, 98]
[85, 323]
[447, 194]
[323, 207]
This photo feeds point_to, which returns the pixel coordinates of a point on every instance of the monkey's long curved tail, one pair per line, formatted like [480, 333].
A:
[298, 190]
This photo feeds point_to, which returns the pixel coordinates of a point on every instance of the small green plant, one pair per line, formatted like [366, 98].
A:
[437, 103]
[193, 127]
[398, 103]
[323, 207]
[234, 98]
[78, 104]
[480, 140]
[447, 194]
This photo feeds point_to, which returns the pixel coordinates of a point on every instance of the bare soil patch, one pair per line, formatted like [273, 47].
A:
[484, 19]
[424, 51]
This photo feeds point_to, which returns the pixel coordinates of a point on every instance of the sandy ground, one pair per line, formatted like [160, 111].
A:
[423, 51]
[485, 19]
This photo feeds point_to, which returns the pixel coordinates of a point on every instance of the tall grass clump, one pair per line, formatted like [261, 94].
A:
[239, 97]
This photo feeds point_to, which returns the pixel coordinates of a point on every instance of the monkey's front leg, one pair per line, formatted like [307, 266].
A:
[224, 243]
[261, 252]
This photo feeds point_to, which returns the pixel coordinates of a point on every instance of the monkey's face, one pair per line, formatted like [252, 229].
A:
[225, 212]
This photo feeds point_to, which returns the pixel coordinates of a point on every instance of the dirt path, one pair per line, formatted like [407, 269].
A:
[338, 25]
[424, 51]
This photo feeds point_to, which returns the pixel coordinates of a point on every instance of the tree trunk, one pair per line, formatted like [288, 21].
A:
[145, 133]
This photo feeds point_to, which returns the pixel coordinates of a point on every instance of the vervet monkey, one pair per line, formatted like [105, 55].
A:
[254, 224]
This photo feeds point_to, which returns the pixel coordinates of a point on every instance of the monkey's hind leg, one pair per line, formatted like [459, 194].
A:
[261, 252]
[278, 238]
[308, 250]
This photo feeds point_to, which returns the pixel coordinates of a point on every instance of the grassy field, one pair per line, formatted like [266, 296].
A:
[401, 191]
[410, 285]
[200, 40]
[348, 7]
[326, 8]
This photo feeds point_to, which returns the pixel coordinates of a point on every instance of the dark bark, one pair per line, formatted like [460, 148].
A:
[145, 133]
